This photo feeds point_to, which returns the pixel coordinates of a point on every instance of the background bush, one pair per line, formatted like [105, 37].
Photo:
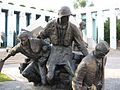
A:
[107, 30]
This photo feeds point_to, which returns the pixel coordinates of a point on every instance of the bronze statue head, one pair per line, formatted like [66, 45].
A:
[24, 36]
[101, 49]
[64, 11]
[82, 25]
[63, 14]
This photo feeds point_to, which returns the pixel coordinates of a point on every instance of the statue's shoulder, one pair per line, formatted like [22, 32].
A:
[52, 22]
[51, 25]
[35, 41]
[90, 58]
[73, 26]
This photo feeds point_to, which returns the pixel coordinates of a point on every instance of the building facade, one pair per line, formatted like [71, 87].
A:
[13, 18]
[95, 18]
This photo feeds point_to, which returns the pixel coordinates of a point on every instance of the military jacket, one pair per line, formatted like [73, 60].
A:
[66, 38]
[85, 74]
[33, 51]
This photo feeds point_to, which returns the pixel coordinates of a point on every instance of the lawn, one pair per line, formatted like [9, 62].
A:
[4, 77]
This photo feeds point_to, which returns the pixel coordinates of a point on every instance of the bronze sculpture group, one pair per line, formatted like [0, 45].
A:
[55, 65]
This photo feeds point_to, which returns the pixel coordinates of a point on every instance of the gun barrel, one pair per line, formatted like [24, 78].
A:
[6, 57]
[1, 66]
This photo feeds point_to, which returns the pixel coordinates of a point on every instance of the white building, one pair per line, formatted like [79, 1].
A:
[94, 18]
[14, 17]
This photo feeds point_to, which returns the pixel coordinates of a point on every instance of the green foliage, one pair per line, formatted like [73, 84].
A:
[75, 5]
[4, 77]
[107, 30]
[118, 29]
[82, 3]
[79, 3]
[91, 4]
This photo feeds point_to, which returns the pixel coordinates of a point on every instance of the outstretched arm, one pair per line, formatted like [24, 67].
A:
[5, 58]
[2, 61]
[79, 41]
[12, 52]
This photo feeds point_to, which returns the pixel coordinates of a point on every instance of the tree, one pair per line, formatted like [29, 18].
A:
[118, 29]
[107, 30]
[77, 3]
[82, 3]
[91, 4]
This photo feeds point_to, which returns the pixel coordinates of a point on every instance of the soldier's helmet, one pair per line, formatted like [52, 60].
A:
[24, 33]
[64, 11]
[102, 47]
[82, 23]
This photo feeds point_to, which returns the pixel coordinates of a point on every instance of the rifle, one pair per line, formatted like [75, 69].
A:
[1, 65]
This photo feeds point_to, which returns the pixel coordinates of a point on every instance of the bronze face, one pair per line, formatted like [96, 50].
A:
[24, 41]
[64, 20]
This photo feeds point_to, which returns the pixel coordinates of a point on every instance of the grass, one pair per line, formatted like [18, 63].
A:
[4, 77]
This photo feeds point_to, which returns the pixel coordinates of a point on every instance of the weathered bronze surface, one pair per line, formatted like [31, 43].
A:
[90, 72]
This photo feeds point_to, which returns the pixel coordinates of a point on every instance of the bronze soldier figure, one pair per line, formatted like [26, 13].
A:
[37, 51]
[62, 33]
[82, 26]
[89, 74]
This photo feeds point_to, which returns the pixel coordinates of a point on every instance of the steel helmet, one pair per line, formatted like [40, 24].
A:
[102, 47]
[24, 33]
[64, 11]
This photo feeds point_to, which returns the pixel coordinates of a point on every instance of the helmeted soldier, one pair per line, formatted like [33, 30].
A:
[37, 51]
[62, 33]
[82, 26]
[90, 72]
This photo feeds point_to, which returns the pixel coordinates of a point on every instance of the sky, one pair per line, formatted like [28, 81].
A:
[106, 3]
[46, 4]
[56, 4]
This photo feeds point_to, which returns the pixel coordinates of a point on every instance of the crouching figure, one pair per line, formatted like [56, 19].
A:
[37, 51]
[89, 74]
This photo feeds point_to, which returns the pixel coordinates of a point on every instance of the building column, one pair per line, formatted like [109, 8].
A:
[113, 29]
[90, 41]
[2, 22]
[11, 28]
[22, 21]
[32, 18]
[100, 24]
[1, 41]
[94, 27]
[2, 26]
